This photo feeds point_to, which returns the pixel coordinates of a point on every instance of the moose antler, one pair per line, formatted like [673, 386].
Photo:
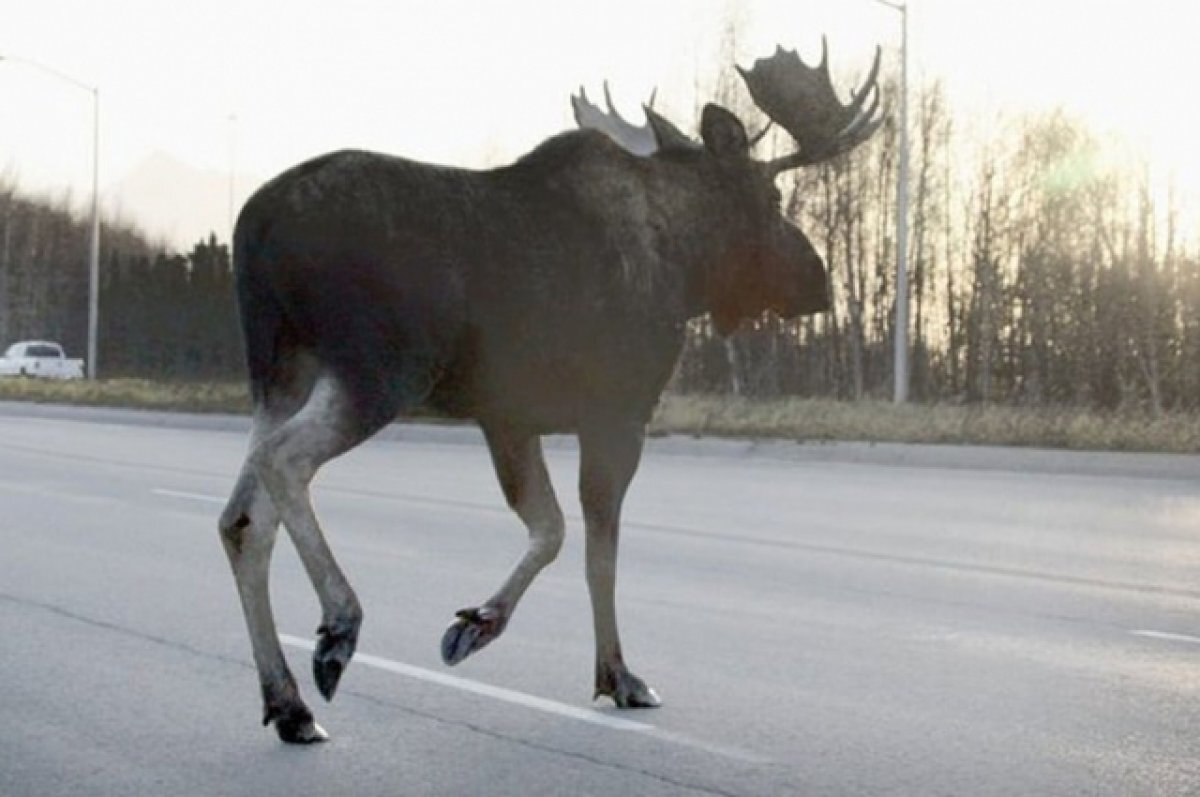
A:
[638, 139]
[801, 99]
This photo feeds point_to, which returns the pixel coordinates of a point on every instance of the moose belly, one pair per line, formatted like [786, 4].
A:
[549, 386]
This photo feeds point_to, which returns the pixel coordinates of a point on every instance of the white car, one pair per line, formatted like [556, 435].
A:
[39, 358]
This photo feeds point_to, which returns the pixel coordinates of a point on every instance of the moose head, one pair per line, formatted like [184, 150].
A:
[767, 263]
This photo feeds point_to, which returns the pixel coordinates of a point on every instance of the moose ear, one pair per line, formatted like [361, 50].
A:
[723, 133]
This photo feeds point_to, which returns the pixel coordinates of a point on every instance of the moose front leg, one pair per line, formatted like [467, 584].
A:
[521, 469]
[609, 455]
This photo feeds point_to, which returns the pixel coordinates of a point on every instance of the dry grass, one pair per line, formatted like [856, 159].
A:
[875, 421]
[794, 419]
[140, 393]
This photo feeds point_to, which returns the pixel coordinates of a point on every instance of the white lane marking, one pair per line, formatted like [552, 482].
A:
[1167, 635]
[208, 499]
[485, 690]
[536, 703]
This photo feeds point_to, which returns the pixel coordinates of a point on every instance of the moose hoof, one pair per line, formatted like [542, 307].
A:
[473, 630]
[295, 725]
[302, 733]
[335, 647]
[626, 689]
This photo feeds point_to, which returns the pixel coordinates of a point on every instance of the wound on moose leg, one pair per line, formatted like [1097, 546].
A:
[235, 532]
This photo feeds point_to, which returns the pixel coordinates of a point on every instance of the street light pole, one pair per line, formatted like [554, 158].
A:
[900, 393]
[232, 171]
[94, 246]
[94, 243]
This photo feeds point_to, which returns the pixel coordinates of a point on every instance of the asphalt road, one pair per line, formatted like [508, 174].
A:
[818, 620]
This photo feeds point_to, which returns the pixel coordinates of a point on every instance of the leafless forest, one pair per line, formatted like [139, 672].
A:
[1048, 266]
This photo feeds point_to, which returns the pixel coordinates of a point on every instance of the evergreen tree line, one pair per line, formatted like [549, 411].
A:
[171, 315]
[163, 315]
[1046, 268]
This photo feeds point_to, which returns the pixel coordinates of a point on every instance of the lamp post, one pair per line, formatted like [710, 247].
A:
[94, 244]
[900, 394]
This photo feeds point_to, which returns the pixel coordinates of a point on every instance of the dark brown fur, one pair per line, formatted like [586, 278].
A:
[546, 296]
[535, 293]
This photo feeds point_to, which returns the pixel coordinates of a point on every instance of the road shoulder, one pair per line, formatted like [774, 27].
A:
[909, 455]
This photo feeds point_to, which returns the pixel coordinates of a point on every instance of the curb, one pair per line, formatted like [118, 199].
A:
[905, 455]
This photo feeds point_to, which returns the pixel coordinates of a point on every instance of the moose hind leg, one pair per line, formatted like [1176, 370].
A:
[286, 460]
[609, 455]
[248, 529]
[521, 469]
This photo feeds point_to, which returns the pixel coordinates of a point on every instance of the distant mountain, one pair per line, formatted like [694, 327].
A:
[176, 202]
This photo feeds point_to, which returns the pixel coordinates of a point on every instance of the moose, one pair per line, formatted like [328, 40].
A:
[546, 296]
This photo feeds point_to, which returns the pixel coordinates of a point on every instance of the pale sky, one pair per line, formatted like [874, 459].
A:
[473, 83]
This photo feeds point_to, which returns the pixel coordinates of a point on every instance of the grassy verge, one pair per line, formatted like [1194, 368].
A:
[137, 393]
[876, 421]
[791, 419]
